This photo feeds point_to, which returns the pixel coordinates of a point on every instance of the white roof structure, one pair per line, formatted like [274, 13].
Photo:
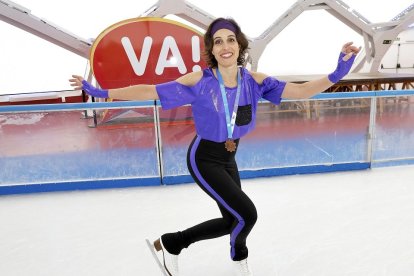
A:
[378, 37]
[22, 18]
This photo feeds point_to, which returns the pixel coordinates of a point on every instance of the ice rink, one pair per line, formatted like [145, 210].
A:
[357, 223]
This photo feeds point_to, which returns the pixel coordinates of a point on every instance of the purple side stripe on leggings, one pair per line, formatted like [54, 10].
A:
[241, 223]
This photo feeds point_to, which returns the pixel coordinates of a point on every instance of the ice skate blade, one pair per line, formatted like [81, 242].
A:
[152, 247]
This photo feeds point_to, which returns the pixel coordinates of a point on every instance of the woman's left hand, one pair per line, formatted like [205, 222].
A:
[349, 50]
[345, 61]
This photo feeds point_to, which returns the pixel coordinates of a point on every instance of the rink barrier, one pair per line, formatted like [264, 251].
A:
[123, 104]
[168, 180]
[248, 174]
[164, 179]
[78, 185]
[73, 106]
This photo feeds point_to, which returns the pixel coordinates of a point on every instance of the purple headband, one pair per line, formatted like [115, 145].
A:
[222, 24]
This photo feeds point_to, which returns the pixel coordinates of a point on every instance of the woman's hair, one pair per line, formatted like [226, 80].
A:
[209, 43]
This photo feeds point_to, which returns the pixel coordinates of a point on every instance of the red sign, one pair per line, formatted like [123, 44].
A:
[145, 50]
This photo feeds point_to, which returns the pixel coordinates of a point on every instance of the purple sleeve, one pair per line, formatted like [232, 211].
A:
[272, 89]
[174, 94]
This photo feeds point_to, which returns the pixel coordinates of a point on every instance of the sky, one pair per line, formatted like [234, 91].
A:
[309, 45]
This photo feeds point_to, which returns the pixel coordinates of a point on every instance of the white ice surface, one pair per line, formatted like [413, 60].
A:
[357, 223]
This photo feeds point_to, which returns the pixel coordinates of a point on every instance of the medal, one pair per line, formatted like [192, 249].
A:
[230, 145]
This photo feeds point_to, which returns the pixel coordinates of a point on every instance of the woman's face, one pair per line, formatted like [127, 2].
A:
[225, 47]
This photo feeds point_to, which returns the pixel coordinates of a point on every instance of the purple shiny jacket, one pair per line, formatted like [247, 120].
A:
[207, 104]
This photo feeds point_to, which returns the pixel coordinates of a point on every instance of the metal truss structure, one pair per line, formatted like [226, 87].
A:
[377, 37]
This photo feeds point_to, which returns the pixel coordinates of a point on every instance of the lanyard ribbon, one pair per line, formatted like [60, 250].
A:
[230, 122]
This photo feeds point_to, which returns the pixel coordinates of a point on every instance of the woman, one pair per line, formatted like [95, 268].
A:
[224, 100]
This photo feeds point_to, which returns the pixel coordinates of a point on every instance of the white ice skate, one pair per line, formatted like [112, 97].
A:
[242, 268]
[168, 263]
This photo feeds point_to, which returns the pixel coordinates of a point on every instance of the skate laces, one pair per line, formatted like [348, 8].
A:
[170, 261]
[243, 268]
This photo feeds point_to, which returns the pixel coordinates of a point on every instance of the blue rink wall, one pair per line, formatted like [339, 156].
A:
[53, 147]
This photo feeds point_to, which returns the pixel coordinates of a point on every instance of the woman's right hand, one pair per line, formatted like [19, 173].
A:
[76, 82]
[79, 83]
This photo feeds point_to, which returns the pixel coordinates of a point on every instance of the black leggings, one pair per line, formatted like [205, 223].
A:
[215, 170]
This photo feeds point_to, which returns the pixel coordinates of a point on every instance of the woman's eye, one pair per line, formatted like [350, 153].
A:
[232, 40]
[217, 42]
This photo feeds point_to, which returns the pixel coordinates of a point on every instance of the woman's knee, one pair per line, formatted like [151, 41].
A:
[248, 218]
[251, 217]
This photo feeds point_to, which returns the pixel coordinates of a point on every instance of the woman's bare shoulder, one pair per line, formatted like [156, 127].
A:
[258, 77]
[191, 79]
